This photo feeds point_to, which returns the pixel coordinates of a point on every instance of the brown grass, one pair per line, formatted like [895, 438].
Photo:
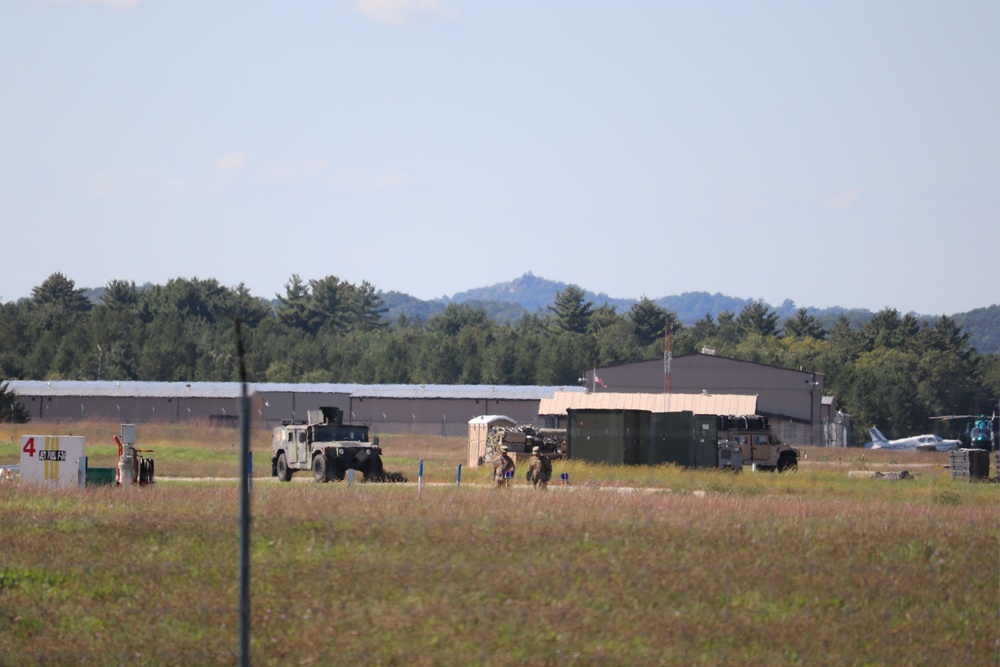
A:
[760, 569]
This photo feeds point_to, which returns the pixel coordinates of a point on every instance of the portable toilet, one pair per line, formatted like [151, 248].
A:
[479, 433]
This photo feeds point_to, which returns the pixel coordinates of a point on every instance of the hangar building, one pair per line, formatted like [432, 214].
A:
[791, 399]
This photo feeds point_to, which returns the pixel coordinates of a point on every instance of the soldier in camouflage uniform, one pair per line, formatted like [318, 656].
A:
[501, 465]
[539, 469]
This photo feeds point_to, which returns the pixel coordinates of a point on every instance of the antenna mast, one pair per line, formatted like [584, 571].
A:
[668, 352]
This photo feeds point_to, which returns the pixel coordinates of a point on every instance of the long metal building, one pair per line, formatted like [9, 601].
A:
[421, 409]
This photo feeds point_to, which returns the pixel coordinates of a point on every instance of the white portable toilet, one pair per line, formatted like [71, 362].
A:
[479, 432]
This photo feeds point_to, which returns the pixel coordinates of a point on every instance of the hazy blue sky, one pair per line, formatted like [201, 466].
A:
[832, 153]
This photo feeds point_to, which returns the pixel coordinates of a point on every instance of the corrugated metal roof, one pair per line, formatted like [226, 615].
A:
[702, 404]
[110, 388]
[300, 388]
[681, 358]
[461, 391]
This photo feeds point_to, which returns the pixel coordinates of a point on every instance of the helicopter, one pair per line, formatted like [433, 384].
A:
[980, 432]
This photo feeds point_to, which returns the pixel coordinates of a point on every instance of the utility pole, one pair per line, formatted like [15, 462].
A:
[812, 403]
[243, 654]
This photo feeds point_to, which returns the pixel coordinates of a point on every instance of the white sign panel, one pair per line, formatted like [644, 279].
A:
[51, 459]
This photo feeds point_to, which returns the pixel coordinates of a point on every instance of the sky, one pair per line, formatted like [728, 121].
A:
[833, 154]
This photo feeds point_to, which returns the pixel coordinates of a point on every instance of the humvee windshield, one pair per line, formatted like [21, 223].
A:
[339, 432]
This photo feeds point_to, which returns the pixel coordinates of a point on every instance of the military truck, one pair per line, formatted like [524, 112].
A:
[752, 434]
[325, 445]
[520, 440]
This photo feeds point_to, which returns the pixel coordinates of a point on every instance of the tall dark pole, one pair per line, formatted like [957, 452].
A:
[812, 402]
[668, 355]
[244, 602]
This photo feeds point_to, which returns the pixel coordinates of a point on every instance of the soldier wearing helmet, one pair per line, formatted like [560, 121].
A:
[503, 469]
[539, 469]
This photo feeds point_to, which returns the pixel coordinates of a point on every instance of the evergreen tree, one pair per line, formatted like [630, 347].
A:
[758, 318]
[121, 296]
[366, 311]
[11, 409]
[884, 393]
[727, 332]
[701, 334]
[886, 329]
[245, 307]
[614, 337]
[803, 325]
[59, 294]
[572, 312]
[294, 308]
[328, 308]
[648, 320]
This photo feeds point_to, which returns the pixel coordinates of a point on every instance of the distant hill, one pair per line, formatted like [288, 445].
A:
[983, 325]
[507, 302]
[533, 293]
[510, 301]
[397, 303]
[537, 294]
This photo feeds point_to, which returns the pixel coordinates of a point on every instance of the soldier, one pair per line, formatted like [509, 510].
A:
[539, 469]
[502, 465]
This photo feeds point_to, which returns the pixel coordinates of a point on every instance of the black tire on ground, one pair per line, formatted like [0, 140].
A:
[336, 470]
[787, 462]
[284, 472]
[319, 468]
[374, 472]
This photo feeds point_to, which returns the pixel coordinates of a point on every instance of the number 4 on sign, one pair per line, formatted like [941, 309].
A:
[29, 447]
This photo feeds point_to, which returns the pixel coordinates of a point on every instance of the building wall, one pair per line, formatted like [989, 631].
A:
[789, 397]
[131, 409]
[294, 405]
[435, 416]
[430, 416]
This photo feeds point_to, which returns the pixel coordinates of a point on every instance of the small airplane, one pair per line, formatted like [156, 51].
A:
[916, 443]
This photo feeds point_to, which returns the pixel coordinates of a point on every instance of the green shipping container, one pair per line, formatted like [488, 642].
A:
[706, 438]
[639, 437]
[614, 437]
[672, 435]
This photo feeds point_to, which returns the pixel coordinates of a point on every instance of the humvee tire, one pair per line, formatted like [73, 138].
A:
[787, 461]
[319, 468]
[284, 472]
[375, 472]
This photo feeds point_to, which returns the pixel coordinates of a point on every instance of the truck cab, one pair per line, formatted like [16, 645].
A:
[759, 445]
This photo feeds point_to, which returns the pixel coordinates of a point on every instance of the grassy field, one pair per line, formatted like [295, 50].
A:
[626, 566]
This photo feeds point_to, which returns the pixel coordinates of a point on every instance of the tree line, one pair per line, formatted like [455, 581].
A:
[894, 371]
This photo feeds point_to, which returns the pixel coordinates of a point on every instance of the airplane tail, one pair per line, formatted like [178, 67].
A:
[878, 440]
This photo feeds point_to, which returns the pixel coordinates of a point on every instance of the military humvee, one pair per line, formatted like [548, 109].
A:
[326, 446]
[760, 446]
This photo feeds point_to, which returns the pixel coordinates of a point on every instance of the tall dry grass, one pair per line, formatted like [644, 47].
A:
[379, 574]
